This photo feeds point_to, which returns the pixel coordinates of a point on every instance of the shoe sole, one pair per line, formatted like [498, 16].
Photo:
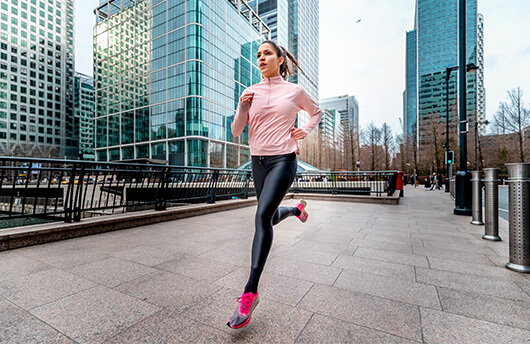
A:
[254, 305]
[304, 204]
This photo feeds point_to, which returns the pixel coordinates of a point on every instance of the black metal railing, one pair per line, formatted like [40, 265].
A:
[365, 183]
[69, 190]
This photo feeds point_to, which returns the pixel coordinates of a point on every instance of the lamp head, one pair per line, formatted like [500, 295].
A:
[471, 68]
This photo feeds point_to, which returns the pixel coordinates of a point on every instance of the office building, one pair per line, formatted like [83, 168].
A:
[84, 109]
[295, 25]
[275, 13]
[348, 109]
[168, 76]
[37, 78]
[331, 141]
[431, 47]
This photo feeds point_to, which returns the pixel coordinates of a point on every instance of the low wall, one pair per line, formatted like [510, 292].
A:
[11, 238]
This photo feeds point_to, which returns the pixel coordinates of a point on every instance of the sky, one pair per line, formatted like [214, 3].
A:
[367, 59]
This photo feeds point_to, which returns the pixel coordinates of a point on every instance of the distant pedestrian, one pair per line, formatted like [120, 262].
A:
[427, 182]
[439, 181]
[433, 181]
[405, 179]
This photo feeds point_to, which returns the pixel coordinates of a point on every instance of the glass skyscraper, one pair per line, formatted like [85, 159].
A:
[37, 78]
[304, 42]
[168, 76]
[431, 48]
[295, 25]
[410, 98]
[84, 107]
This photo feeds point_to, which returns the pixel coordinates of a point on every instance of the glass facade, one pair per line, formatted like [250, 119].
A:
[275, 13]
[168, 76]
[411, 90]
[37, 78]
[304, 42]
[431, 48]
[295, 25]
[331, 129]
[84, 107]
[348, 109]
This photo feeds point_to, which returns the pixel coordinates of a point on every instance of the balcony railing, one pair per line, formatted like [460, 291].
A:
[70, 190]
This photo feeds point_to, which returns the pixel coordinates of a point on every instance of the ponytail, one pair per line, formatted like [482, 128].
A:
[287, 68]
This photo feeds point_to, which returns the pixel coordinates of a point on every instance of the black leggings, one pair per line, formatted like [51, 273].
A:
[273, 176]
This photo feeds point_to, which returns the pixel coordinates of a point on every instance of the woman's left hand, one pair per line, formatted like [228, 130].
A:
[298, 134]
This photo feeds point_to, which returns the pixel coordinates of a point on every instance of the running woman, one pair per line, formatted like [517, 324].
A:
[270, 108]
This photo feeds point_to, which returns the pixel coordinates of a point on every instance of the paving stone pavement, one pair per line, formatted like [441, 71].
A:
[354, 273]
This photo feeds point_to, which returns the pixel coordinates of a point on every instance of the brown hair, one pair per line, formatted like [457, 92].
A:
[289, 62]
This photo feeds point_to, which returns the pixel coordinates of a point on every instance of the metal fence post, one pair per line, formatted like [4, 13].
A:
[476, 180]
[161, 190]
[212, 186]
[244, 191]
[69, 198]
[519, 212]
[491, 206]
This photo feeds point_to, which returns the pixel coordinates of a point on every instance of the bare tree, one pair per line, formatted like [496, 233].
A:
[372, 138]
[354, 144]
[386, 134]
[432, 146]
[513, 116]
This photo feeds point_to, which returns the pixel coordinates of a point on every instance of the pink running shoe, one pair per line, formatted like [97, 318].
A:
[243, 313]
[303, 214]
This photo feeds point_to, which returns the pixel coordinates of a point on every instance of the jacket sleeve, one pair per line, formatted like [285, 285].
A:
[307, 104]
[240, 119]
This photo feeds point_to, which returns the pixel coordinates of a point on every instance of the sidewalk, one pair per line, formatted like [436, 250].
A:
[354, 273]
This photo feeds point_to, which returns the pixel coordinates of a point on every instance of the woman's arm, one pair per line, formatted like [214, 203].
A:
[241, 117]
[310, 106]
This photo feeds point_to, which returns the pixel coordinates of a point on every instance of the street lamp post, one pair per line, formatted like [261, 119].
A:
[463, 177]
[448, 71]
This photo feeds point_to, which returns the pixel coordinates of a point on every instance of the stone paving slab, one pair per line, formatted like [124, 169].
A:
[40, 288]
[383, 246]
[385, 315]
[168, 327]
[309, 256]
[390, 288]
[479, 306]
[378, 267]
[484, 285]
[393, 257]
[322, 329]
[95, 314]
[354, 273]
[445, 328]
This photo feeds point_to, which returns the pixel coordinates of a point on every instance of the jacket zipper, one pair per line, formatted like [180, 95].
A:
[269, 97]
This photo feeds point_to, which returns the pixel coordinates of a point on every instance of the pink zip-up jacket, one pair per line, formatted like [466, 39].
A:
[272, 116]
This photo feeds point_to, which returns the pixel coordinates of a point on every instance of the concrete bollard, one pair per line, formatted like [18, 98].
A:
[519, 215]
[476, 181]
[491, 205]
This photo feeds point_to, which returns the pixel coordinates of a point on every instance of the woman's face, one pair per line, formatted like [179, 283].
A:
[268, 61]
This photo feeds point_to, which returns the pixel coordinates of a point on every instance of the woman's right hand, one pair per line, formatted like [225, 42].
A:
[246, 101]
